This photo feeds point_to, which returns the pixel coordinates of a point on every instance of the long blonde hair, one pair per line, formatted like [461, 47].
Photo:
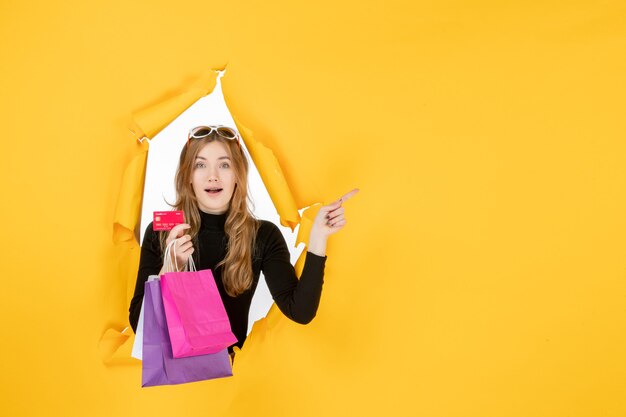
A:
[241, 227]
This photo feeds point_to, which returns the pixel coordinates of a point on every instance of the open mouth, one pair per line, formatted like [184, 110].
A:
[213, 190]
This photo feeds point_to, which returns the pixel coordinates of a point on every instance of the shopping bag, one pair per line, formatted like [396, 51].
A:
[159, 367]
[196, 318]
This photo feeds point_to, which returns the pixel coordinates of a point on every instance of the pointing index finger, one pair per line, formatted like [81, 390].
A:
[347, 196]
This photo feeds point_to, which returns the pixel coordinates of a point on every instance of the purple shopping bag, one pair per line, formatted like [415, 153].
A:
[159, 366]
[196, 318]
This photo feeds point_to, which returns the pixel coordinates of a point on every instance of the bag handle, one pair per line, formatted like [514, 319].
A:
[169, 264]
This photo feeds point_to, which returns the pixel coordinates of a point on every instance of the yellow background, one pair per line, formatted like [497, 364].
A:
[482, 270]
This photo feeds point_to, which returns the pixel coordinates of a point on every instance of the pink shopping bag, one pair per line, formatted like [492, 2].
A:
[196, 318]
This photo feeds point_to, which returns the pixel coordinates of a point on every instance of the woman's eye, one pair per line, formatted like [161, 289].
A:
[199, 165]
[225, 165]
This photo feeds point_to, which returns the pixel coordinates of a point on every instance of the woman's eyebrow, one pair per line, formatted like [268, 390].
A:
[221, 157]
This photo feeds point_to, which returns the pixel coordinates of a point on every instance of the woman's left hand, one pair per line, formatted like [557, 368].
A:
[329, 220]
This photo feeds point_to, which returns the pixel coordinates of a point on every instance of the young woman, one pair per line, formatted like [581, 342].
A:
[222, 235]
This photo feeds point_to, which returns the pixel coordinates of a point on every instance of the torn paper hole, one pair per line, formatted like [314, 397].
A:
[163, 154]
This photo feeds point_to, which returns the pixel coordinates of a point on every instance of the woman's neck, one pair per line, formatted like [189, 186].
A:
[213, 221]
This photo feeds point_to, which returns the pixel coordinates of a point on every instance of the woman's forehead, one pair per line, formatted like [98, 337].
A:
[213, 150]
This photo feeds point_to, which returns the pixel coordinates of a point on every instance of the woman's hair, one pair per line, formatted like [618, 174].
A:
[240, 227]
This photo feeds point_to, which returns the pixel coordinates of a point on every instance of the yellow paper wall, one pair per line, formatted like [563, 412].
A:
[482, 270]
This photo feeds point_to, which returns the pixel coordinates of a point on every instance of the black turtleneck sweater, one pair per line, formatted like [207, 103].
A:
[297, 299]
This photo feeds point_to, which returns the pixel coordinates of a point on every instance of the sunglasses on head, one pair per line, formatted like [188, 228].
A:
[201, 132]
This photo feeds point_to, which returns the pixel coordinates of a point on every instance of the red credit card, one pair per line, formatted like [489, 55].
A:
[166, 220]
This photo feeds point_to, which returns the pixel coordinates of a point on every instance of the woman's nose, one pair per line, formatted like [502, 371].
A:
[213, 175]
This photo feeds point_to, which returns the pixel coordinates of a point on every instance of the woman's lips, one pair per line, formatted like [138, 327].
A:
[213, 192]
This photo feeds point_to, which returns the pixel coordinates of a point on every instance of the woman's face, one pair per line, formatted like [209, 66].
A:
[213, 178]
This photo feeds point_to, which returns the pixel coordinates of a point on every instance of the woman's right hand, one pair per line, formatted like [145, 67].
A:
[183, 248]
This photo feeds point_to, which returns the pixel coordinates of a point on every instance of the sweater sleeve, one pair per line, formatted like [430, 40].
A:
[297, 299]
[150, 263]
